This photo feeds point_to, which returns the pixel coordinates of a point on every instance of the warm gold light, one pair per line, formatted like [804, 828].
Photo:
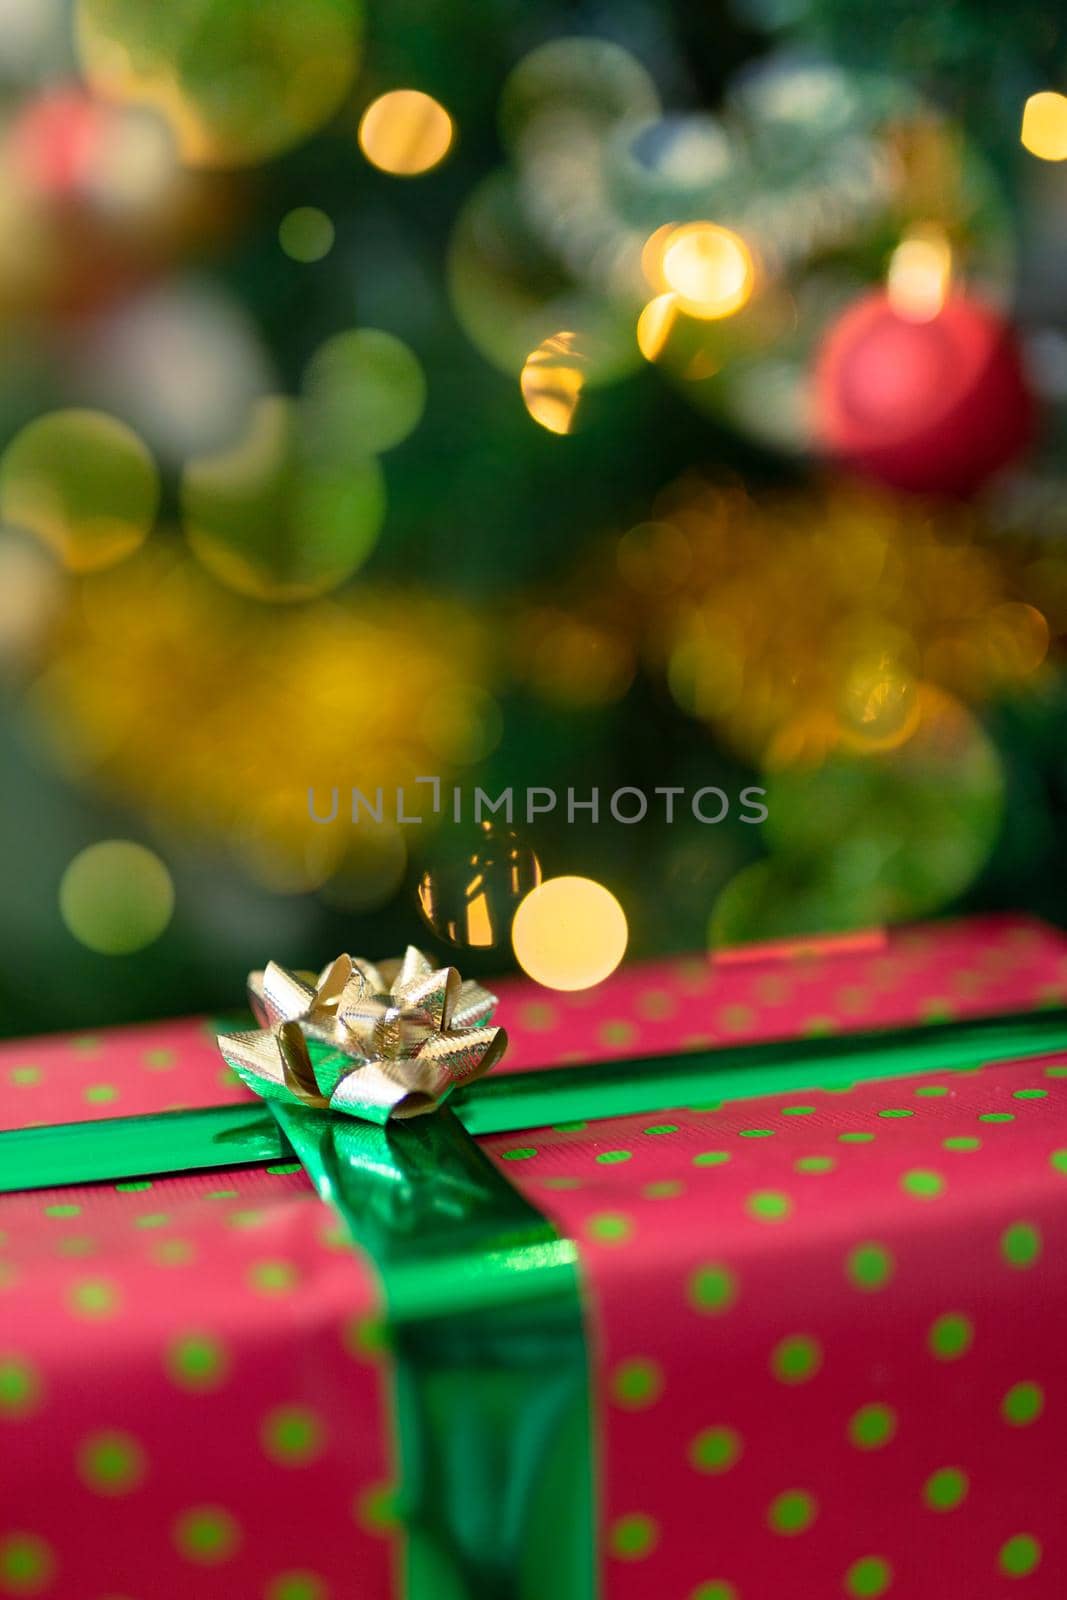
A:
[920, 272]
[405, 132]
[710, 270]
[569, 933]
[1044, 130]
[654, 325]
[552, 381]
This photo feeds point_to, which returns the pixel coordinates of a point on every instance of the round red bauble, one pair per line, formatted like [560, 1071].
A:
[935, 406]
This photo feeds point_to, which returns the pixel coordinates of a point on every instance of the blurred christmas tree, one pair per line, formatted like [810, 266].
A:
[447, 390]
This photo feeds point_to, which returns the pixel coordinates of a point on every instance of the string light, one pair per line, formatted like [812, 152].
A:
[1044, 129]
[569, 933]
[920, 272]
[405, 133]
[710, 269]
[552, 381]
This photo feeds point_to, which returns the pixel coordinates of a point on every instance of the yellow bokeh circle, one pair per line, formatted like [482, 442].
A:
[405, 133]
[709, 269]
[569, 933]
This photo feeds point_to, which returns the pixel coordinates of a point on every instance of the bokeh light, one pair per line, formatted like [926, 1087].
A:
[710, 270]
[569, 933]
[405, 133]
[306, 234]
[84, 484]
[1044, 129]
[364, 391]
[185, 359]
[920, 272]
[276, 518]
[654, 325]
[116, 897]
[470, 894]
[552, 382]
[237, 80]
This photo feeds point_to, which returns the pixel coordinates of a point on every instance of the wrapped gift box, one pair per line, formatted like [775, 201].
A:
[736, 1279]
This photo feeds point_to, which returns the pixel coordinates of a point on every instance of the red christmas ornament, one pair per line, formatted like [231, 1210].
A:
[936, 406]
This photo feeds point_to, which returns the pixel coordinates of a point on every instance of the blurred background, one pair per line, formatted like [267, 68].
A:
[560, 395]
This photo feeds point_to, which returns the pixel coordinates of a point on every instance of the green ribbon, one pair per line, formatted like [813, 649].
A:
[491, 1376]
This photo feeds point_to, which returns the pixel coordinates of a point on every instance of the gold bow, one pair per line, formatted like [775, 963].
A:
[400, 1036]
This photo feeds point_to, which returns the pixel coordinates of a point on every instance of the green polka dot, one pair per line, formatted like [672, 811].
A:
[292, 1435]
[793, 1511]
[814, 1164]
[1057, 1071]
[856, 1136]
[769, 1205]
[20, 1387]
[663, 1189]
[1023, 1404]
[819, 1027]
[712, 1288]
[872, 1426]
[636, 1383]
[159, 1060]
[152, 1219]
[715, 1449]
[26, 1563]
[962, 1142]
[1019, 1555]
[561, 1183]
[252, 1218]
[755, 1133]
[711, 1158]
[296, 1586]
[272, 1277]
[101, 1093]
[376, 1508]
[945, 1489]
[896, 1111]
[367, 1338]
[206, 1534]
[197, 1361]
[76, 1245]
[569, 1127]
[93, 1297]
[868, 1578]
[520, 1152]
[661, 1127]
[714, 1589]
[611, 1156]
[1058, 1161]
[1020, 1245]
[133, 1186]
[870, 1266]
[633, 1536]
[285, 1167]
[1029, 1094]
[610, 1227]
[798, 1111]
[932, 1090]
[111, 1462]
[951, 1336]
[223, 1194]
[796, 1358]
[172, 1252]
[996, 1116]
[922, 1183]
[936, 1011]
[69, 1210]
[25, 1077]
